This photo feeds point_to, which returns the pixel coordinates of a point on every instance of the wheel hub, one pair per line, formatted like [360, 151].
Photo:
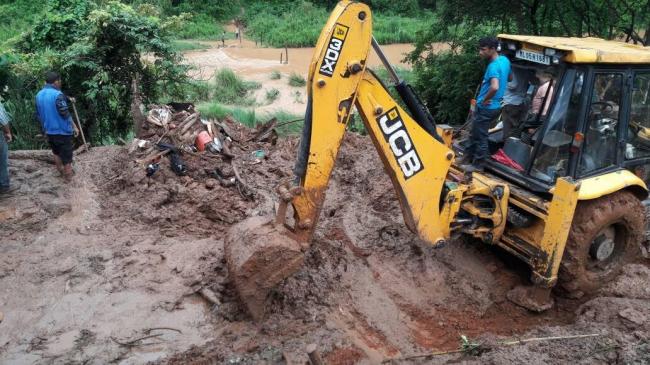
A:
[602, 248]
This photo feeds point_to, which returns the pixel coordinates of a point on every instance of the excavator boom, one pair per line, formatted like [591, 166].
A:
[261, 252]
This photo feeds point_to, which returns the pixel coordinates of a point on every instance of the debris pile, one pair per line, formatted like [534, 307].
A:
[178, 132]
[183, 168]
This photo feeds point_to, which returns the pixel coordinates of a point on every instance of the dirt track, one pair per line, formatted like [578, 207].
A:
[89, 268]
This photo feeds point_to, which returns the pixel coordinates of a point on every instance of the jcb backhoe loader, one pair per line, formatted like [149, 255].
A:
[571, 206]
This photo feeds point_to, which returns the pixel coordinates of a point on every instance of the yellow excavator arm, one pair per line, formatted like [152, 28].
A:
[416, 160]
[261, 252]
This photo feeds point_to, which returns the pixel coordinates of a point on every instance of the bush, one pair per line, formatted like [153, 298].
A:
[17, 17]
[296, 80]
[99, 52]
[275, 75]
[272, 95]
[63, 24]
[447, 80]
[231, 89]
[216, 10]
[192, 91]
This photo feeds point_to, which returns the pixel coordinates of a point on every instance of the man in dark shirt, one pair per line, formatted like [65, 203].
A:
[56, 121]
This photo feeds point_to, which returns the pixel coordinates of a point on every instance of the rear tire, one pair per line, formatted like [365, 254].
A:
[605, 235]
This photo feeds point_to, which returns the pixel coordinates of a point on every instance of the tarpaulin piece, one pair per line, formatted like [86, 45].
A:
[503, 159]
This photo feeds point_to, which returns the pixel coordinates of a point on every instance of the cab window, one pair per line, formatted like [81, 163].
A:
[552, 159]
[601, 133]
[638, 133]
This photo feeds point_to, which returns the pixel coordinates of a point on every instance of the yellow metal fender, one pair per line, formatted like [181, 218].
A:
[597, 186]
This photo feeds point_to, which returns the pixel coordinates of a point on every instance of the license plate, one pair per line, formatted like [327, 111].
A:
[533, 57]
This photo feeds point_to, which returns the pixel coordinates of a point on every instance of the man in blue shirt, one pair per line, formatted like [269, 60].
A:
[488, 103]
[56, 121]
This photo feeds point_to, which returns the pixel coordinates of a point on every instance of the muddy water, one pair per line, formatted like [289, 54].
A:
[256, 63]
[249, 59]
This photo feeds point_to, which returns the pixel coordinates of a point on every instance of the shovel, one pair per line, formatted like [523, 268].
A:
[85, 146]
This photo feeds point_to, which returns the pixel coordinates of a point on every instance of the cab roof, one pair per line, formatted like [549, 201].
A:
[585, 50]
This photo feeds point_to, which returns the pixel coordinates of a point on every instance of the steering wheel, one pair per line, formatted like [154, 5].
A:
[603, 125]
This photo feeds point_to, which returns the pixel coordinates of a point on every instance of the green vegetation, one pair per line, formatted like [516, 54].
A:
[275, 75]
[402, 73]
[16, 17]
[296, 80]
[298, 25]
[272, 94]
[355, 124]
[250, 118]
[99, 51]
[232, 89]
[182, 46]
[202, 27]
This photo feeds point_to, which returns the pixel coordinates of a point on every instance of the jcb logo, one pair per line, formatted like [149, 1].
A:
[333, 50]
[392, 127]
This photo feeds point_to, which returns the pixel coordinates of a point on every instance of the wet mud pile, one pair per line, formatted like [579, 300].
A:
[215, 190]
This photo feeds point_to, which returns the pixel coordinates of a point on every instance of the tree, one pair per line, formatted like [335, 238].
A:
[100, 50]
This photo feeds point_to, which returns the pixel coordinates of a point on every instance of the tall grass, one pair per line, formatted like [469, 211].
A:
[389, 29]
[250, 118]
[296, 80]
[229, 88]
[272, 95]
[183, 46]
[202, 27]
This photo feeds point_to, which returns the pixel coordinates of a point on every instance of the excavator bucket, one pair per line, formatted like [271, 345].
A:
[260, 254]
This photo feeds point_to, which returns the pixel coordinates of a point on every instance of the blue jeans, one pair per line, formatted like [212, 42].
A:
[481, 121]
[4, 162]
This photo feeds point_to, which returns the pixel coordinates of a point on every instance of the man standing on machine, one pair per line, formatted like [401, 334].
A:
[488, 103]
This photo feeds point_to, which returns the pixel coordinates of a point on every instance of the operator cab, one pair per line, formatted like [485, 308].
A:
[587, 105]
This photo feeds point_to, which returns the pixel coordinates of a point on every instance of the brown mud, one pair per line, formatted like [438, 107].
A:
[89, 269]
